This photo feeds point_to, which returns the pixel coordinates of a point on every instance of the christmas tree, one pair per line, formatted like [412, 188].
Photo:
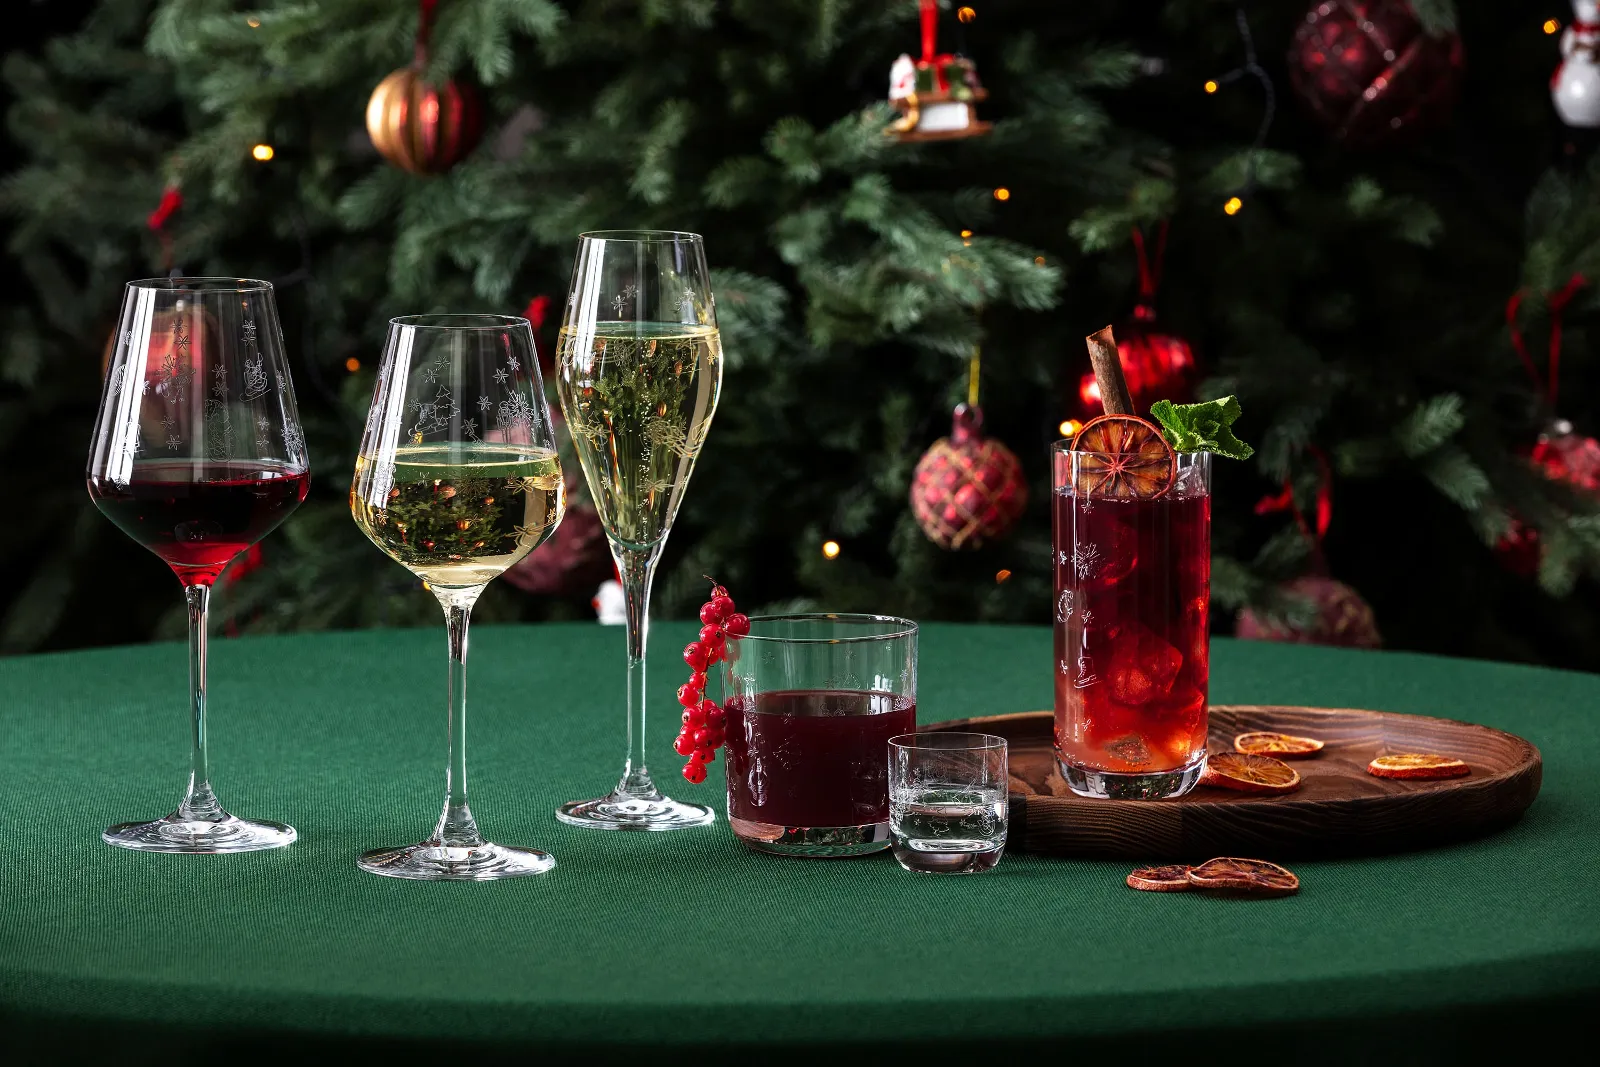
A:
[1342, 263]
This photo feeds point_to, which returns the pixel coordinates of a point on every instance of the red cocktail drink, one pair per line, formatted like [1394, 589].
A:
[1132, 647]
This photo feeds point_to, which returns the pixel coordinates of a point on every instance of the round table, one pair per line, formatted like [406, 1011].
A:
[686, 946]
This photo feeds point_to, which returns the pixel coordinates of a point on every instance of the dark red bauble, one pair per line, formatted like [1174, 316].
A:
[1370, 73]
[1562, 456]
[967, 488]
[1519, 549]
[1342, 617]
[1157, 366]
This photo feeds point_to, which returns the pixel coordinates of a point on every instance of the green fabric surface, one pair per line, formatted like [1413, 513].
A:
[632, 936]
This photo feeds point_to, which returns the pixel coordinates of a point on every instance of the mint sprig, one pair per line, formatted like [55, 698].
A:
[1202, 427]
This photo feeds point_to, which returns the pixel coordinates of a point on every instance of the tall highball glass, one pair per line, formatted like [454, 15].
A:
[638, 368]
[197, 455]
[457, 479]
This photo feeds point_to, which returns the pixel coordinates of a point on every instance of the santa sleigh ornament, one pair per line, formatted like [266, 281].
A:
[935, 94]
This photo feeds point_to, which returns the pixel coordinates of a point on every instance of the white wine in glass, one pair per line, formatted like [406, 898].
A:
[457, 479]
[639, 369]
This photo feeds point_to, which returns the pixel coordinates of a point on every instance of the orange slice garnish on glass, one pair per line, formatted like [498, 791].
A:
[1283, 746]
[1123, 457]
[1250, 774]
[1172, 878]
[1418, 765]
[1255, 877]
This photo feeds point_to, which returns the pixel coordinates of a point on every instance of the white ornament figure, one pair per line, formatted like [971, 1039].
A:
[609, 604]
[1575, 87]
[902, 78]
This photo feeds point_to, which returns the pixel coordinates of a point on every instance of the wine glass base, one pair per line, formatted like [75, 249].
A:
[442, 863]
[619, 811]
[177, 834]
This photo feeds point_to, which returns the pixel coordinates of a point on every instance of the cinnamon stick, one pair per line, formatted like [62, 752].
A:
[1114, 396]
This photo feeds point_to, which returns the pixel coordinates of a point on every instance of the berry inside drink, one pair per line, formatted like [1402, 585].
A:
[1132, 648]
[198, 516]
[812, 757]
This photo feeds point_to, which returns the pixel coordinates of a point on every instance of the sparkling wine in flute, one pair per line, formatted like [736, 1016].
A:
[639, 397]
[458, 516]
[638, 369]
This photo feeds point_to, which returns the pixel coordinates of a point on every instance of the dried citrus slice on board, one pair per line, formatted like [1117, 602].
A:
[1418, 765]
[1283, 746]
[1173, 878]
[1123, 457]
[1255, 877]
[1250, 774]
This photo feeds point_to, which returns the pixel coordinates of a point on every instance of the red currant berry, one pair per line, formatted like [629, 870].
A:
[714, 717]
[702, 738]
[697, 656]
[695, 771]
[698, 679]
[722, 606]
[694, 718]
[714, 654]
[689, 695]
[716, 737]
[684, 744]
[708, 612]
[709, 708]
[717, 590]
[736, 625]
[705, 755]
[711, 633]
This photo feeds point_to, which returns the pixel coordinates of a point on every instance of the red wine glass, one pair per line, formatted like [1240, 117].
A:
[198, 454]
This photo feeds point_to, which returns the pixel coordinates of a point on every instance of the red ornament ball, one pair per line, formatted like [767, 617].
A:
[1370, 73]
[1157, 366]
[1342, 617]
[967, 488]
[1566, 457]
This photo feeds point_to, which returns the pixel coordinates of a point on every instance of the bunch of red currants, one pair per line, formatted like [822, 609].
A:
[702, 719]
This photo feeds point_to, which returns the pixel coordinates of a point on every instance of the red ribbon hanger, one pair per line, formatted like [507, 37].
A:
[1284, 501]
[930, 44]
[1557, 304]
[1149, 272]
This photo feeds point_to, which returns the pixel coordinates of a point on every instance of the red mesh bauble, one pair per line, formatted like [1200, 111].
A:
[1158, 366]
[1562, 456]
[1342, 617]
[1370, 73]
[967, 488]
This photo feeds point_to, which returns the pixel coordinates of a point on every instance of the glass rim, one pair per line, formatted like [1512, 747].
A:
[202, 283]
[1064, 445]
[451, 320]
[907, 627]
[928, 739]
[641, 237]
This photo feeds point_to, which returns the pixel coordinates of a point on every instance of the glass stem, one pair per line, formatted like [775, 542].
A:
[199, 802]
[457, 828]
[638, 571]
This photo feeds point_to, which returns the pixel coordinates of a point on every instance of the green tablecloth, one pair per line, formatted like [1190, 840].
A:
[685, 942]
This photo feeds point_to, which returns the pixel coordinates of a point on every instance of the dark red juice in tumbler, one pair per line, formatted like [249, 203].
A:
[813, 757]
[1133, 589]
[198, 516]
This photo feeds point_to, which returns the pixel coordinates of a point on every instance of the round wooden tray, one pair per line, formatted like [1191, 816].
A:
[1339, 808]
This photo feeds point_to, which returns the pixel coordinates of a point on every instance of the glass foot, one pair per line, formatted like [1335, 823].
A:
[443, 863]
[1115, 785]
[177, 834]
[627, 811]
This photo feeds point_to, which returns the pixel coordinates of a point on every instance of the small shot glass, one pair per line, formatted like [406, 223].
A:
[947, 801]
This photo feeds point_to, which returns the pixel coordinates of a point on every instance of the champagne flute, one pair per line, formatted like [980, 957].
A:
[197, 454]
[639, 368]
[457, 480]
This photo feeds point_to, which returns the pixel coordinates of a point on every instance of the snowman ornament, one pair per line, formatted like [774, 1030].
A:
[1575, 86]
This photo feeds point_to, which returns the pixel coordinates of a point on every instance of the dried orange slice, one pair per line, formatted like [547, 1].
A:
[1173, 878]
[1283, 746]
[1255, 877]
[1418, 765]
[1250, 774]
[1123, 458]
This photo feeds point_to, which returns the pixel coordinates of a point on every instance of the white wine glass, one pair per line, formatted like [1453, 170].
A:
[639, 369]
[198, 454]
[457, 479]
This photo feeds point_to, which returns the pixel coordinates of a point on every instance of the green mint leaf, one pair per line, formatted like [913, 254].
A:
[1202, 427]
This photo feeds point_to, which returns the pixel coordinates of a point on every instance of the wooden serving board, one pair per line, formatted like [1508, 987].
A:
[1339, 808]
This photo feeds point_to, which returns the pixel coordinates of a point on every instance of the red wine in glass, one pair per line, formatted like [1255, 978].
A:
[813, 757]
[199, 516]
